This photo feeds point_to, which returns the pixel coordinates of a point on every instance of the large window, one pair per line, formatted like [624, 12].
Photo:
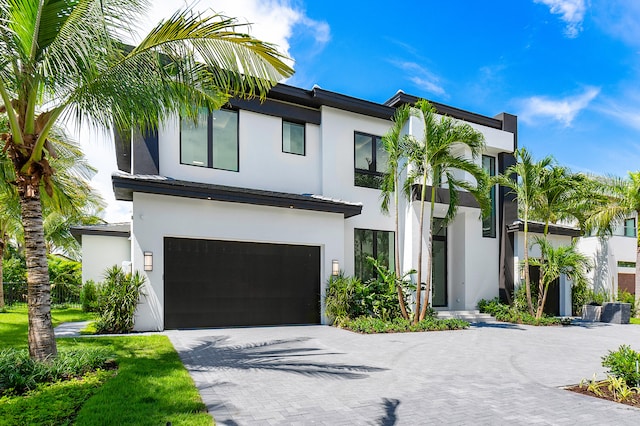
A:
[212, 142]
[630, 227]
[292, 138]
[489, 221]
[370, 160]
[377, 244]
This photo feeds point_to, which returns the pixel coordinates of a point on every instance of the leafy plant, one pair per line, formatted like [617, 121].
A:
[624, 363]
[89, 296]
[597, 297]
[626, 297]
[506, 313]
[119, 296]
[339, 298]
[579, 297]
[370, 325]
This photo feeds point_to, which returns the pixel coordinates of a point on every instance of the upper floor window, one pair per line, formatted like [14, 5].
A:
[489, 221]
[212, 142]
[293, 138]
[630, 227]
[370, 160]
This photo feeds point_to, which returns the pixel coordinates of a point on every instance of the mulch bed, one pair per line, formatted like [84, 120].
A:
[633, 400]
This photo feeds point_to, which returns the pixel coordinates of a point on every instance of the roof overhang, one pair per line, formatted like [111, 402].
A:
[124, 185]
[106, 229]
[538, 228]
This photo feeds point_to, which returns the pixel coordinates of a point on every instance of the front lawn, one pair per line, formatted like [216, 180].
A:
[151, 386]
[635, 321]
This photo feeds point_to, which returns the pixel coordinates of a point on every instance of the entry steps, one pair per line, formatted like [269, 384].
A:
[470, 316]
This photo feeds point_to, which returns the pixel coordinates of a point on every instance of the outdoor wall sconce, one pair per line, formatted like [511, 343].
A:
[335, 268]
[148, 261]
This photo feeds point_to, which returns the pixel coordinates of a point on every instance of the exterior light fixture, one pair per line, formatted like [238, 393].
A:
[148, 261]
[335, 268]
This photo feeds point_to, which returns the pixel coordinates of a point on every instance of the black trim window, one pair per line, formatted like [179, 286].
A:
[212, 142]
[377, 244]
[630, 227]
[293, 138]
[370, 160]
[489, 221]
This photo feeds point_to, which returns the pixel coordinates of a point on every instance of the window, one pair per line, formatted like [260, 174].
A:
[489, 221]
[213, 142]
[377, 244]
[293, 138]
[623, 264]
[370, 160]
[630, 227]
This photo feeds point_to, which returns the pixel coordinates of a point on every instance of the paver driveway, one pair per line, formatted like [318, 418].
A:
[492, 374]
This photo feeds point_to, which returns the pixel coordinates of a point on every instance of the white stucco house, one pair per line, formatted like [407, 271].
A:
[242, 219]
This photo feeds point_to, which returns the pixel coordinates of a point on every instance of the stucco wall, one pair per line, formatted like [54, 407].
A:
[100, 252]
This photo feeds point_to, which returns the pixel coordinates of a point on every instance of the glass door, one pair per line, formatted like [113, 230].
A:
[439, 271]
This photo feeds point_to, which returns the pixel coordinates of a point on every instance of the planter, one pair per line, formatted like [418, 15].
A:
[591, 312]
[616, 313]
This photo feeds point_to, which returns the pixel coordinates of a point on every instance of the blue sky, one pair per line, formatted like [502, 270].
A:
[569, 69]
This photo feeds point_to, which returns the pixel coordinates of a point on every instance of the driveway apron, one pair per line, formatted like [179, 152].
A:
[493, 374]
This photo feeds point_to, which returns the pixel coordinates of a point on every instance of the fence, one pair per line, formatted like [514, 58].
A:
[15, 294]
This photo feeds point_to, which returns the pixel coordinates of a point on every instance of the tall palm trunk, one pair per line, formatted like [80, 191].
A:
[403, 308]
[42, 342]
[423, 194]
[429, 277]
[527, 278]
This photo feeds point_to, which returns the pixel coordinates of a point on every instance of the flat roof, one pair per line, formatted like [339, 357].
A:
[106, 229]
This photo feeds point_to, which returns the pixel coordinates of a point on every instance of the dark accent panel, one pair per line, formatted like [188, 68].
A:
[552, 304]
[279, 109]
[627, 282]
[538, 228]
[510, 124]
[122, 142]
[145, 153]
[125, 186]
[210, 283]
[507, 214]
[465, 199]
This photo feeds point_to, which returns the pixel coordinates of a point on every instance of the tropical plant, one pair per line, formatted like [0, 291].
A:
[89, 296]
[65, 59]
[435, 159]
[555, 261]
[119, 296]
[394, 144]
[523, 181]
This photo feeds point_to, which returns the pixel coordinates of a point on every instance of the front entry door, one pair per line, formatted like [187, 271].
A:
[439, 271]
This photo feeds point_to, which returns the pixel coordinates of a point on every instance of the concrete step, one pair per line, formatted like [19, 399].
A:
[470, 316]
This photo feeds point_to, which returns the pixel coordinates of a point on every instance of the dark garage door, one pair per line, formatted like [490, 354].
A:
[210, 283]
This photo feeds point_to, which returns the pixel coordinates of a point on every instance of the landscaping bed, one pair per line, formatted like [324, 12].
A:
[605, 393]
[369, 325]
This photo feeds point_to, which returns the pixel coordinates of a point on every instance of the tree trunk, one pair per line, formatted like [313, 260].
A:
[42, 342]
[527, 278]
[544, 290]
[423, 194]
[403, 308]
[429, 253]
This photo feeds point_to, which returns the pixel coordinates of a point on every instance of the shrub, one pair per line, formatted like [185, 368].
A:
[506, 313]
[118, 299]
[624, 364]
[89, 296]
[579, 296]
[369, 325]
[626, 297]
[339, 299]
[597, 297]
[66, 279]
[19, 373]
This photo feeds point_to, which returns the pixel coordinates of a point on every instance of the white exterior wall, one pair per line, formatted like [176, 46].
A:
[605, 254]
[158, 216]
[100, 252]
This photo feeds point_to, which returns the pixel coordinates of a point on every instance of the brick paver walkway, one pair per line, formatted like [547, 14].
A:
[493, 374]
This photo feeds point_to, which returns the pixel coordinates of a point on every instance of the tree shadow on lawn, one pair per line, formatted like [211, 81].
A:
[286, 355]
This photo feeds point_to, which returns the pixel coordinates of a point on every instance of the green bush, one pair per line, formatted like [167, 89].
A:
[579, 297]
[597, 297]
[339, 300]
[89, 296]
[19, 373]
[626, 297]
[623, 364]
[117, 301]
[369, 325]
[513, 314]
[66, 279]
[14, 269]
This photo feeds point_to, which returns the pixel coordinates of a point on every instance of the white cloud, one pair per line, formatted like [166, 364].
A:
[562, 110]
[423, 78]
[570, 11]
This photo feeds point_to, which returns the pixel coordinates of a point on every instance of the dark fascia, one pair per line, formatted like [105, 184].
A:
[125, 185]
[107, 229]
[465, 199]
[538, 228]
[402, 98]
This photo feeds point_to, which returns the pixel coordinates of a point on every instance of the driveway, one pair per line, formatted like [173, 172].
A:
[491, 374]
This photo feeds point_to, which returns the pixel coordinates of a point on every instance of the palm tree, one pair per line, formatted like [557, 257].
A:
[437, 156]
[393, 143]
[523, 180]
[553, 262]
[622, 200]
[65, 59]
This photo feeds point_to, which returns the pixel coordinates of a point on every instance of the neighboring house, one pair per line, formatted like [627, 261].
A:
[103, 246]
[614, 259]
[559, 295]
[241, 220]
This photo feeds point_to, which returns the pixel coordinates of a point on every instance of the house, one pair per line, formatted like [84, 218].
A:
[241, 219]
[103, 245]
[614, 259]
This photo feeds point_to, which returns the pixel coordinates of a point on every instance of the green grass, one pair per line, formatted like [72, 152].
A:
[150, 387]
[635, 321]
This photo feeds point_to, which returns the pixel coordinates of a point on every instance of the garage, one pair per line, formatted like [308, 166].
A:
[213, 283]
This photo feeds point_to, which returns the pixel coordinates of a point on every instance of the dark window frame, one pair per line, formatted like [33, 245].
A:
[625, 227]
[491, 231]
[210, 142]
[374, 247]
[370, 173]
[304, 137]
